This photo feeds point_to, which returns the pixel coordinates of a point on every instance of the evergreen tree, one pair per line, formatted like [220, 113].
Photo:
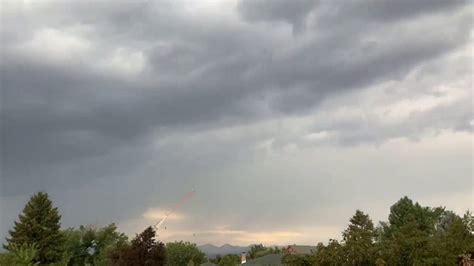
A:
[151, 251]
[23, 255]
[145, 250]
[329, 255]
[359, 240]
[38, 225]
[452, 239]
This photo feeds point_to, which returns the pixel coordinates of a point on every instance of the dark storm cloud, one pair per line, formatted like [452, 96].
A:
[294, 12]
[111, 97]
[388, 11]
[333, 13]
[196, 74]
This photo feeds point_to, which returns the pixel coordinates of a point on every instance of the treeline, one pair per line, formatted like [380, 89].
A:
[37, 239]
[413, 235]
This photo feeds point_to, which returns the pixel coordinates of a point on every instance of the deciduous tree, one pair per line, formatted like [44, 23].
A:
[88, 245]
[229, 260]
[180, 253]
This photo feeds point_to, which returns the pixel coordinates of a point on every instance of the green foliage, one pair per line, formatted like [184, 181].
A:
[229, 260]
[452, 238]
[65, 259]
[24, 255]
[180, 253]
[359, 240]
[6, 258]
[92, 246]
[405, 239]
[38, 225]
[216, 259]
[144, 250]
[413, 235]
[468, 220]
[259, 250]
[332, 254]
[274, 250]
[299, 260]
[254, 249]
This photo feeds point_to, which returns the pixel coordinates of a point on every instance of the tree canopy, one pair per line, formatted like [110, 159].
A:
[38, 225]
[229, 260]
[88, 245]
[181, 253]
[359, 240]
[413, 235]
[144, 250]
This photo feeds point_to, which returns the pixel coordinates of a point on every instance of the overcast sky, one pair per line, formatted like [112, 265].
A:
[285, 116]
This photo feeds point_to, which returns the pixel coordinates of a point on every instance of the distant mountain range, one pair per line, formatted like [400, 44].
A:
[211, 250]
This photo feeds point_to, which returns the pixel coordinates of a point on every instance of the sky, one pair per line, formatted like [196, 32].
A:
[284, 116]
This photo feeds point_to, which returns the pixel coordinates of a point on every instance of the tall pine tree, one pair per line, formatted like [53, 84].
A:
[39, 224]
[359, 240]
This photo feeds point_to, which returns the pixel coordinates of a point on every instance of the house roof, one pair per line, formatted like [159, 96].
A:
[267, 260]
[301, 249]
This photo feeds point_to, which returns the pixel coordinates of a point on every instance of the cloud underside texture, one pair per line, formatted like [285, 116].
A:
[277, 112]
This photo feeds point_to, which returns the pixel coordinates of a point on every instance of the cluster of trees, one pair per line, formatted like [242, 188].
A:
[413, 235]
[37, 239]
[259, 250]
[181, 253]
[88, 245]
[227, 260]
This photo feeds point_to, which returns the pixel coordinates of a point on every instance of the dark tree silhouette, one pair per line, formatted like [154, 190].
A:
[39, 225]
[144, 250]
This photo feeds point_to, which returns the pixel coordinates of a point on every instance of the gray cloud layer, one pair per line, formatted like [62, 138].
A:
[104, 99]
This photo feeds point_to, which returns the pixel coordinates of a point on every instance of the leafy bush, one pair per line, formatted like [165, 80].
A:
[24, 255]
